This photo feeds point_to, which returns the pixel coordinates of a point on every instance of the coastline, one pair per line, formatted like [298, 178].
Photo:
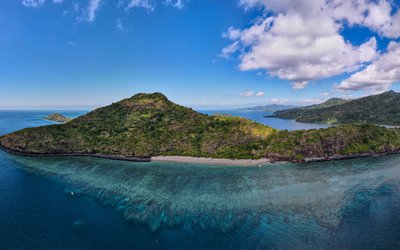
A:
[170, 159]
[204, 160]
[104, 156]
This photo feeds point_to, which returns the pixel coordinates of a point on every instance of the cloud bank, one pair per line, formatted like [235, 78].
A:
[300, 41]
[252, 93]
[379, 75]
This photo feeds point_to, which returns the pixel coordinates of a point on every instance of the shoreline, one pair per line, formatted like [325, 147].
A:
[103, 156]
[168, 159]
[214, 161]
[205, 160]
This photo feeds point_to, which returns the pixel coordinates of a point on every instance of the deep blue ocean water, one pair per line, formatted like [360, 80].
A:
[87, 203]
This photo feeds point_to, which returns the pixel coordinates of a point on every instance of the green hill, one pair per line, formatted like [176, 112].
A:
[142, 126]
[329, 103]
[377, 109]
[148, 125]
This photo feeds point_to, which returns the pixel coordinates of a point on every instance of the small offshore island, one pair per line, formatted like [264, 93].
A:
[149, 125]
[56, 117]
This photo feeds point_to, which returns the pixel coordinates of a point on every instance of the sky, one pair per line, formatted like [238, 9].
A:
[206, 54]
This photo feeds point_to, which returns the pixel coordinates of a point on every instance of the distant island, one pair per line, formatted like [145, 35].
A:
[269, 108]
[376, 109]
[56, 117]
[149, 125]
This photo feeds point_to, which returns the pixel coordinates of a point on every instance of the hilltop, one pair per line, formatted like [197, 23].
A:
[376, 109]
[328, 103]
[148, 125]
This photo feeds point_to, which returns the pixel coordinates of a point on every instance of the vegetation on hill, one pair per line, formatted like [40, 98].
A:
[56, 117]
[377, 109]
[142, 126]
[148, 125]
[335, 142]
[328, 103]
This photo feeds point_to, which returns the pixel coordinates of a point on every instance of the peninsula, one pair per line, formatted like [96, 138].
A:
[376, 109]
[149, 125]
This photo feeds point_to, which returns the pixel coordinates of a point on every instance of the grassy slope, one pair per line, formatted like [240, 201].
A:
[149, 124]
[378, 109]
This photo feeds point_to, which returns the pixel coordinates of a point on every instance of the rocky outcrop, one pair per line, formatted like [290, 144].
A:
[56, 117]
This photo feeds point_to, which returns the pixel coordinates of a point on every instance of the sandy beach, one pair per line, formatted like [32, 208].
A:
[212, 161]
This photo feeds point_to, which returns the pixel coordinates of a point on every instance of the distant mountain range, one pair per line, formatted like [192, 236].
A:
[377, 109]
[269, 108]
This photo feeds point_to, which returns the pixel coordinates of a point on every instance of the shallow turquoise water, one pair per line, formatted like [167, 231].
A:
[123, 205]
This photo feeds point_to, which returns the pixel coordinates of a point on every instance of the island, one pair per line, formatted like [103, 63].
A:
[56, 117]
[148, 126]
[376, 109]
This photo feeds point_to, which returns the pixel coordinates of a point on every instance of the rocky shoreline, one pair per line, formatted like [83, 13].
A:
[104, 156]
[56, 117]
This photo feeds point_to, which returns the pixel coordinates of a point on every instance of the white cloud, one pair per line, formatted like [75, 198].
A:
[37, 3]
[232, 34]
[379, 75]
[146, 4]
[179, 4]
[230, 49]
[299, 84]
[70, 43]
[89, 13]
[299, 49]
[121, 27]
[310, 100]
[247, 93]
[324, 94]
[279, 101]
[92, 8]
[393, 29]
[379, 15]
[252, 93]
[33, 3]
[375, 14]
[300, 40]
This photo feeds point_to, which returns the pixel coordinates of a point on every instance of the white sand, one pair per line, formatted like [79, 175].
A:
[211, 161]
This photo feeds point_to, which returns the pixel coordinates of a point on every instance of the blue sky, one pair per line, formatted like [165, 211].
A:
[70, 54]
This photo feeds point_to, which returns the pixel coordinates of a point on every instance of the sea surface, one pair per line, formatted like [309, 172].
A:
[88, 203]
[259, 116]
